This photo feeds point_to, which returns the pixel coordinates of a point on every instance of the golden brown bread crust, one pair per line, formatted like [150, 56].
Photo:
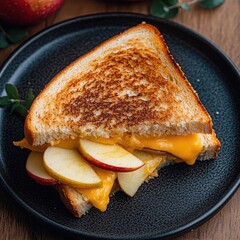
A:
[128, 90]
[211, 147]
[75, 202]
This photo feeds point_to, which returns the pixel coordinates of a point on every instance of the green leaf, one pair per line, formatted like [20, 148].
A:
[11, 91]
[159, 7]
[185, 6]
[19, 108]
[15, 34]
[209, 4]
[12, 100]
[14, 106]
[22, 110]
[29, 99]
[3, 41]
[4, 101]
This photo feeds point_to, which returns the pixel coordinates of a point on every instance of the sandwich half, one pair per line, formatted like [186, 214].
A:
[126, 97]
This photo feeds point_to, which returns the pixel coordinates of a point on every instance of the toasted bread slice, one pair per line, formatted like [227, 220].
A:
[74, 201]
[79, 205]
[211, 147]
[129, 84]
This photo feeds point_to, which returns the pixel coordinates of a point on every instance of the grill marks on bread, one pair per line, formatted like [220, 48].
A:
[123, 88]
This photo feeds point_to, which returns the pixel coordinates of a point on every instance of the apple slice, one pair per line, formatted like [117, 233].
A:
[110, 157]
[130, 182]
[36, 170]
[69, 167]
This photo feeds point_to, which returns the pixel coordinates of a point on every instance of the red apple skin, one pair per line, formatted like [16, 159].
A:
[99, 164]
[35, 169]
[27, 12]
[42, 181]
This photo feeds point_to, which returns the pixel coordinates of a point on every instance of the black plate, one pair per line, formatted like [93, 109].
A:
[182, 197]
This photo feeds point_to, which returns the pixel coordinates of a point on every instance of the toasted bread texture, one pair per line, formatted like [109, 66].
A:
[128, 84]
[79, 205]
[74, 201]
[211, 147]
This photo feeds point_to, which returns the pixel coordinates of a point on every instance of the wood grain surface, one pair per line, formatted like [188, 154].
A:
[222, 27]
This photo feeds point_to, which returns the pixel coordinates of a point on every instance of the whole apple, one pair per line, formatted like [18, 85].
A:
[27, 12]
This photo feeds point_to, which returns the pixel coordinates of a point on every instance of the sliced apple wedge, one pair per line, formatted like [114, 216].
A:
[129, 182]
[69, 167]
[110, 157]
[36, 170]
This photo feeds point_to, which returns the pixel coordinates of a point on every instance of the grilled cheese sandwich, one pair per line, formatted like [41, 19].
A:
[127, 92]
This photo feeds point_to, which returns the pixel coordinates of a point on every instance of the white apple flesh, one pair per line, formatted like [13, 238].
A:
[130, 182]
[36, 170]
[110, 157]
[69, 167]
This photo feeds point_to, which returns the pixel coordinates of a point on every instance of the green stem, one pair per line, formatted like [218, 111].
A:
[16, 100]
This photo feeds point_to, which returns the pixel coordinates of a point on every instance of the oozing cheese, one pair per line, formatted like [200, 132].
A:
[186, 147]
[99, 196]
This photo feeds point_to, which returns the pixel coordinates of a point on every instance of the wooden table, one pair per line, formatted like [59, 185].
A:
[221, 26]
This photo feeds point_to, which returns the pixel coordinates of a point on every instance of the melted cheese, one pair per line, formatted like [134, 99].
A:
[186, 147]
[24, 144]
[99, 196]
